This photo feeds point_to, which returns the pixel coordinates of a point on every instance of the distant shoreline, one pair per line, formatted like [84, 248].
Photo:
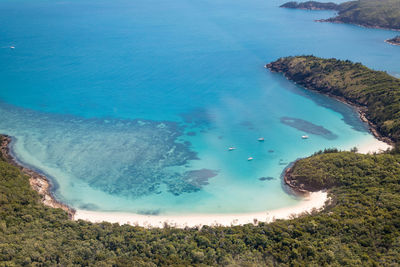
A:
[355, 24]
[313, 5]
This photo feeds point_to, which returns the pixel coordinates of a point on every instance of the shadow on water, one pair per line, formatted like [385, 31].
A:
[350, 116]
[308, 127]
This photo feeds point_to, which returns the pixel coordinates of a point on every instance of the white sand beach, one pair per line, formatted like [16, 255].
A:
[373, 146]
[312, 201]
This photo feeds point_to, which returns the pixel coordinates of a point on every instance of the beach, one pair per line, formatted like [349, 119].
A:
[373, 146]
[314, 201]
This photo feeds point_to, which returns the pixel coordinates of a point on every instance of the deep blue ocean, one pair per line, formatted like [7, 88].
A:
[131, 105]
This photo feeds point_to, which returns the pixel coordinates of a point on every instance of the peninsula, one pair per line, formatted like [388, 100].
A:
[376, 94]
[368, 13]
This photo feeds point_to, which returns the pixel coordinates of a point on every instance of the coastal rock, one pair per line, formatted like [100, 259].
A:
[394, 41]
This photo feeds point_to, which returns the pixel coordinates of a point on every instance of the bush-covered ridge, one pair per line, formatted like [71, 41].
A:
[361, 228]
[376, 90]
[369, 13]
[312, 5]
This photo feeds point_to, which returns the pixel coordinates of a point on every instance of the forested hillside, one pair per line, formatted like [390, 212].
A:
[369, 13]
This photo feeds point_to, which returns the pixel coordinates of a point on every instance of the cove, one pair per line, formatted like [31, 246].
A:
[132, 105]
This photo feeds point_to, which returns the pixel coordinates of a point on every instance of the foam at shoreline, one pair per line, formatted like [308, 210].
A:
[314, 201]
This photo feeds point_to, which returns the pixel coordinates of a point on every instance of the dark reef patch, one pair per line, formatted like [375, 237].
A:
[192, 181]
[308, 127]
[198, 118]
[200, 177]
[89, 206]
[191, 133]
[350, 117]
[266, 178]
[149, 212]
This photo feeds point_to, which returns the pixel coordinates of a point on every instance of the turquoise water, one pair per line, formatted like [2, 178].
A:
[132, 105]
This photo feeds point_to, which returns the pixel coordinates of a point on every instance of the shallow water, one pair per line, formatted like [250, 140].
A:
[132, 105]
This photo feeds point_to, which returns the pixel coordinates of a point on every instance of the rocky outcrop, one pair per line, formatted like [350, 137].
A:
[394, 41]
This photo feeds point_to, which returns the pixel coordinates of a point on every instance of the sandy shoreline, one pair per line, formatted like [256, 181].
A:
[314, 201]
[373, 146]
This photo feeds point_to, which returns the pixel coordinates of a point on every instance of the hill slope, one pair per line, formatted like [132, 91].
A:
[368, 13]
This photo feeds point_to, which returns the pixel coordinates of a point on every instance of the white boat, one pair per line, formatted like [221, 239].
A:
[231, 148]
[250, 158]
[261, 139]
[12, 47]
[305, 137]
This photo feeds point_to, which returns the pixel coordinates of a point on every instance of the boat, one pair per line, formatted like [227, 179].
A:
[231, 148]
[12, 47]
[305, 137]
[250, 158]
[261, 139]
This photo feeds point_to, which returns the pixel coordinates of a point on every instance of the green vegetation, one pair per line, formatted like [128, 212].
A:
[369, 13]
[312, 5]
[360, 228]
[376, 90]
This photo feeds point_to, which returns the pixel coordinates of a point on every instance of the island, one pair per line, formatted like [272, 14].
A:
[394, 41]
[311, 5]
[368, 13]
